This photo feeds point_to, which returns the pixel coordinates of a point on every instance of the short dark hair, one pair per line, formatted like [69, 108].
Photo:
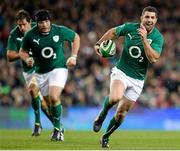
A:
[42, 15]
[22, 14]
[150, 9]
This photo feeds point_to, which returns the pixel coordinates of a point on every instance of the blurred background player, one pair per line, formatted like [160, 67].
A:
[24, 24]
[143, 45]
[46, 42]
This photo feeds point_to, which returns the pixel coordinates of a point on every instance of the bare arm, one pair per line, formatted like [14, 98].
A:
[12, 56]
[110, 34]
[151, 54]
[75, 45]
[71, 61]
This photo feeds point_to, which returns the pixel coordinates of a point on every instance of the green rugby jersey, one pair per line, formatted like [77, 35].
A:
[48, 49]
[133, 61]
[14, 44]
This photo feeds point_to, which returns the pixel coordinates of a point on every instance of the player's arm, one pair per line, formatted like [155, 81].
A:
[110, 34]
[12, 49]
[24, 51]
[75, 45]
[73, 37]
[24, 55]
[71, 62]
[151, 54]
[12, 55]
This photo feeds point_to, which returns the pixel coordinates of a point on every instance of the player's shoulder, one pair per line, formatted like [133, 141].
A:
[15, 30]
[58, 28]
[55, 26]
[33, 30]
[55, 29]
[132, 25]
[157, 33]
[129, 25]
[33, 24]
[31, 33]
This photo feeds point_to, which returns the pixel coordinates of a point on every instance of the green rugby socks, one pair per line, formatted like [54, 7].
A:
[106, 107]
[113, 125]
[56, 113]
[36, 106]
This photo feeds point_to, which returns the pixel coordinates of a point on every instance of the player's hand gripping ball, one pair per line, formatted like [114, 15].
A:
[107, 48]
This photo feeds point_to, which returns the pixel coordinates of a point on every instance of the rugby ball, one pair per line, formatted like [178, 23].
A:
[107, 48]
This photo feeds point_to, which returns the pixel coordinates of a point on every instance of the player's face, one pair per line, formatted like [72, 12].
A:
[149, 19]
[23, 25]
[44, 26]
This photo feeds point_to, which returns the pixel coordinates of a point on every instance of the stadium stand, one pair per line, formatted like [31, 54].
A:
[90, 80]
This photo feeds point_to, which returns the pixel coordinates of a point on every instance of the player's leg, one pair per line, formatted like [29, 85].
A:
[133, 88]
[122, 109]
[57, 80]
[56, 111]
[117, 88]
[42, 81]
[31, 85]
[102, 115]
[45, 107]
[36, 102]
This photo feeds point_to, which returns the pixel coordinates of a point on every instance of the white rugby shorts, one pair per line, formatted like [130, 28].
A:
[56, 77]
[133, 87]
[29, 78]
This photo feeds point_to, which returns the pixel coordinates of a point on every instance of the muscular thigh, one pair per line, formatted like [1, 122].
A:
[55, 92]
[117, 85]
[116, 89]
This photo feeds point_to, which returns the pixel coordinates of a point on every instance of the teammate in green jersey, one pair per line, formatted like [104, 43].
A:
[142, 45]
[24, 24]
[46, 43]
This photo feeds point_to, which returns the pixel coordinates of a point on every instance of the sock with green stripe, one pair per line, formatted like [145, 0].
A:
[106, 107]
[47, 113]
[56, 114]
[113, 125]
[36, 106]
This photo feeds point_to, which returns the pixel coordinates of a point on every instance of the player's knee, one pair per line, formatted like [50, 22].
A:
[114, 99]
[54, 99]
[122, 111]
[120, 115]
[43, 104]
[33, 90]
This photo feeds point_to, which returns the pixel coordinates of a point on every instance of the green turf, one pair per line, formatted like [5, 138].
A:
[81, 140]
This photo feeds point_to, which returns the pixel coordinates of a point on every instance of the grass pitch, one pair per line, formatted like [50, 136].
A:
[87, 140]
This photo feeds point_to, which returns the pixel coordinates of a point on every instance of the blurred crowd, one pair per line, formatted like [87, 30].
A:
[88, 84]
